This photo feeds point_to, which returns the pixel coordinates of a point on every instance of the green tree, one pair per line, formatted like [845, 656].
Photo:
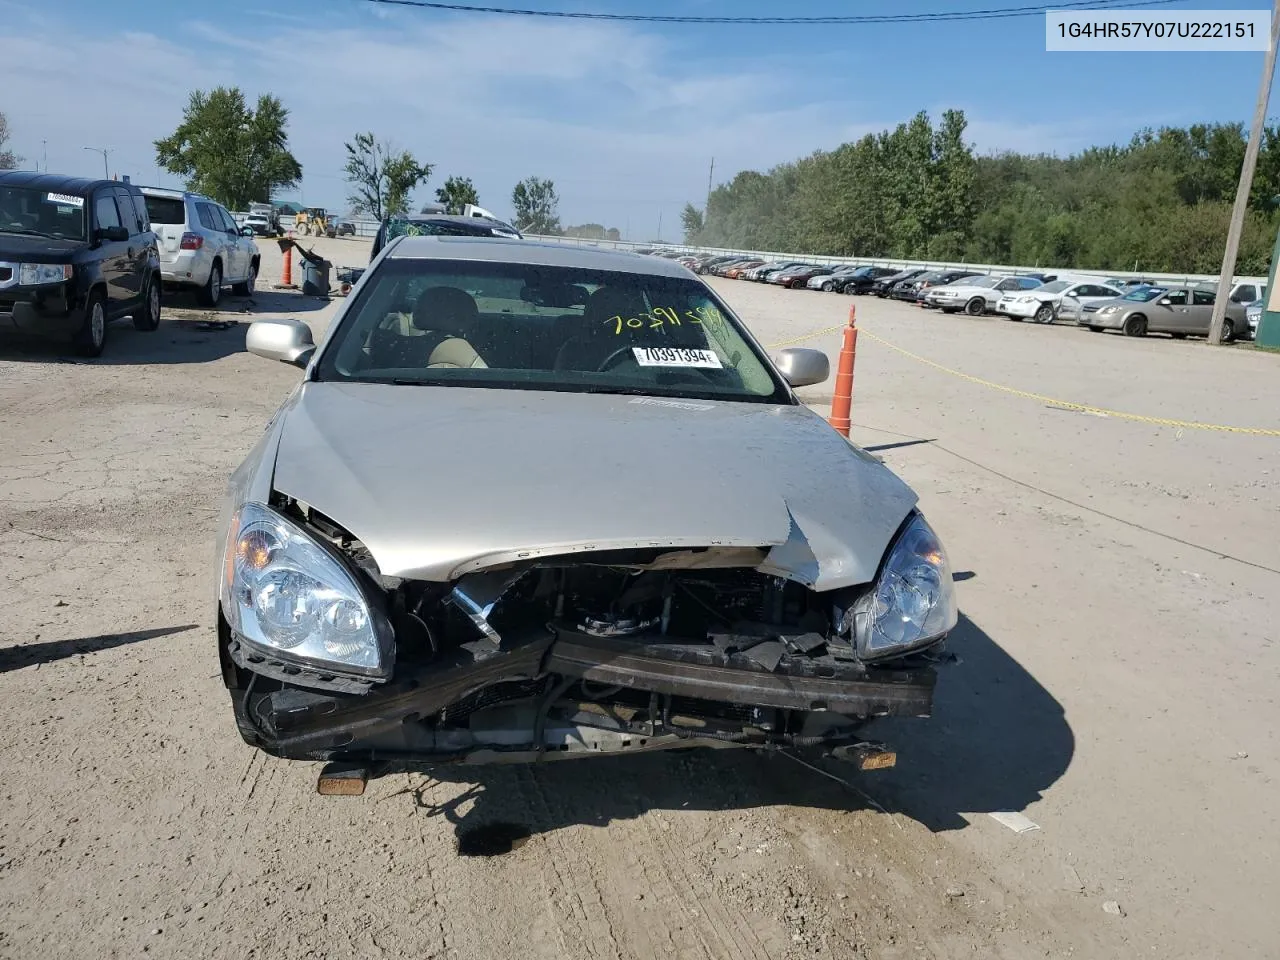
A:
[235, 154]
[381, 177]
[8, 159]
[456, 193]
[1159, 203]
[535, 202]
[691, 221]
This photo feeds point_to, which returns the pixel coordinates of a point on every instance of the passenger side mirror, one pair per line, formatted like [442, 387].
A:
[288, 341]
[113, 234]
[802, 367]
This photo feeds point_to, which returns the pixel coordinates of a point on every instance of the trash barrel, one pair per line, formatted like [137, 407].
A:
[315, 278]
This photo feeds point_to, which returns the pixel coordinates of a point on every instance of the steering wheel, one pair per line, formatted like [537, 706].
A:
[613, 358]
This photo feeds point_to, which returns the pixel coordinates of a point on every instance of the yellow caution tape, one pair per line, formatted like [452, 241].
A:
[1041, 398]
[808, 336]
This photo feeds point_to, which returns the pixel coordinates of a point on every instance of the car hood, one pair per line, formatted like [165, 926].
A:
[441, 481]
[32, 249]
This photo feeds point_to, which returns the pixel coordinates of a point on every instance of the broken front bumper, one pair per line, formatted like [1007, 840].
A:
[561, 693]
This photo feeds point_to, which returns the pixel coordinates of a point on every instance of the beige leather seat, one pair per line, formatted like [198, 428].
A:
[596, 339]
[448, 316]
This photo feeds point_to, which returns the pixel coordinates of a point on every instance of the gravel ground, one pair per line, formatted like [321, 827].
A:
[1116, 686]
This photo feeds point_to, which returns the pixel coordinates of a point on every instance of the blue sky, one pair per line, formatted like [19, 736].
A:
[625, 118]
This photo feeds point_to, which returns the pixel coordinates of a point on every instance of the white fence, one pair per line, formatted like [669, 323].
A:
[772, 255]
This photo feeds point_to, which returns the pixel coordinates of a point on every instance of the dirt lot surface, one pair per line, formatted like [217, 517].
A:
[1117, 685]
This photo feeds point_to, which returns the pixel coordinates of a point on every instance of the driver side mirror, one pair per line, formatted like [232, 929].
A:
[113, 234]
[246, 231]
[288, 341]
[1165, 302]
[802, 367]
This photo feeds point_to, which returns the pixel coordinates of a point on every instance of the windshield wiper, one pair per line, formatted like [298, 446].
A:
[23, 231]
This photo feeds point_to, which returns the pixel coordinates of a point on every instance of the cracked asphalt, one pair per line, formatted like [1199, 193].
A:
[1116, 686]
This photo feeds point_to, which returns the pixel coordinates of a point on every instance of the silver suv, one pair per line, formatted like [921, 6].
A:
[201, 246]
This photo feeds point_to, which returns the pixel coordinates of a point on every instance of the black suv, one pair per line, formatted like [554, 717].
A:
[74, 255]
[861, 281]
[439, 224]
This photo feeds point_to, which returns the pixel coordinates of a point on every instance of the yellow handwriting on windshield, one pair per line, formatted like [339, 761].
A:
[660, 317]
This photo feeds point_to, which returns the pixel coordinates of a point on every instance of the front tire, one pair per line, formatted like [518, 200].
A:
[1135, 327]
[92, 337]
[147, 318]
[828, 287]
[1044, 314]
[976, 307]
[211, 292]
[1228, 330]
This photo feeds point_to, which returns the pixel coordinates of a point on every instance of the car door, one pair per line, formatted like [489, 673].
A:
[112, 255]
[1170, 312]
[237, 258]
[1200, 313]
[138, 248]
[216, 240]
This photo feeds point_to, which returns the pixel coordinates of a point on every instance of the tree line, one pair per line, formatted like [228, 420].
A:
[1160, 203]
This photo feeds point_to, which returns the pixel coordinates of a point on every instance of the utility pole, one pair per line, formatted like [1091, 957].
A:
[706, 207]
[106, 174]
[44, 152]
[660, 211]
[1246, 182]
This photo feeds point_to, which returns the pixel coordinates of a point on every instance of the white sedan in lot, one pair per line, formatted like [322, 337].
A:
[976, 295]
[1060, 298]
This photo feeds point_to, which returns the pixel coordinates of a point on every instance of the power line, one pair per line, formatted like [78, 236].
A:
[995, 13]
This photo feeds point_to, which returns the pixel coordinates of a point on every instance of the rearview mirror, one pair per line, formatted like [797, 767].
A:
[288, 341]
[802, 367]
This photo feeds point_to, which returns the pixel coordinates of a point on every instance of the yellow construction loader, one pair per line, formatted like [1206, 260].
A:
[311, 222]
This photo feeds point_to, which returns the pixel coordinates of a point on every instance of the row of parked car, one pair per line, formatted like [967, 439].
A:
[1134, 306]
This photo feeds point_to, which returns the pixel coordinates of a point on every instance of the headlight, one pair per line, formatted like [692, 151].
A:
[30, 274]
[913, 602]
[1108, 309]
[1026, 299]
[293, 599]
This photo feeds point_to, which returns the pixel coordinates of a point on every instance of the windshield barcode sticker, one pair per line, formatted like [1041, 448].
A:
[676, 357]
[65, 199]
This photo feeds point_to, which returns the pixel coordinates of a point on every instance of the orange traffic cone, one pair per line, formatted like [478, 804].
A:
[286, 274]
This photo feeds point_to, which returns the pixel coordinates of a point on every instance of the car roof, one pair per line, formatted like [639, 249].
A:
[55, 182]
[532, 252]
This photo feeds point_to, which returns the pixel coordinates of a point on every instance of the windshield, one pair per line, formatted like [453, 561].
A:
[1146, 294]
[399, 227]
[531, 327]
[979, 281]
[1057, 286]
[39, 213]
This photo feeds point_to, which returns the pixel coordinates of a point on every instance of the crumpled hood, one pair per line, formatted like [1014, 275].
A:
[441, 481]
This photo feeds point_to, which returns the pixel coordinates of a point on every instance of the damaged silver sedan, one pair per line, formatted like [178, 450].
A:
[535, 502]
